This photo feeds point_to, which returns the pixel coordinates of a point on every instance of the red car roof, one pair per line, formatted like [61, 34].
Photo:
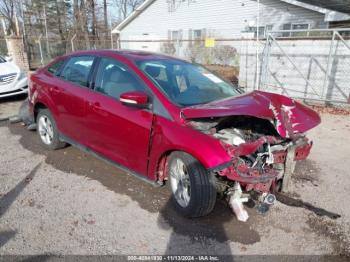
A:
[131, 54]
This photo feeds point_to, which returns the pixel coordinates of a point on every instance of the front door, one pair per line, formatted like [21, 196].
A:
[119, 132]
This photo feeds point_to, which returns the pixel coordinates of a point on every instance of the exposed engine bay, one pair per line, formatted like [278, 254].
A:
[262, 161]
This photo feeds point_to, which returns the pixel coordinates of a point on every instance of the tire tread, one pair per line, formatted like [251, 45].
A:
[203, 190]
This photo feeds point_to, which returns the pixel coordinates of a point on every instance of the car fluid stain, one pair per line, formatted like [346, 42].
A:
[305, 171]
[220, 225]
[333, 231]
[290, 201]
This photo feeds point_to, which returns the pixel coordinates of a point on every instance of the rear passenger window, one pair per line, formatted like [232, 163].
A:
[54, 68]
[77, 70]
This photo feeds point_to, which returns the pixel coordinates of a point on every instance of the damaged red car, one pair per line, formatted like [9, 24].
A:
[166, 120]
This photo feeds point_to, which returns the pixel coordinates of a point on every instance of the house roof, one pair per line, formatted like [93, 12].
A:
[132, 16]
[331, 9]
[342, 6]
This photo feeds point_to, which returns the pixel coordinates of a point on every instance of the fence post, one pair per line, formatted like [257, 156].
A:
[257, 73]
[40, 50]
[265, 63]
[112, 40]
[328, 65]
[72, 42]
[178, 47]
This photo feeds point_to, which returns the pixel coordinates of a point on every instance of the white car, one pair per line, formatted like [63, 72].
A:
[13, 81]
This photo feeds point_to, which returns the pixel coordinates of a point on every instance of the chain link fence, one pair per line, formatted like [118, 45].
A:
[304, 64]
[315, 65]
[41, 50]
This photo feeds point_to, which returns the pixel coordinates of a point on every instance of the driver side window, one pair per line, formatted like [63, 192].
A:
[114, 78]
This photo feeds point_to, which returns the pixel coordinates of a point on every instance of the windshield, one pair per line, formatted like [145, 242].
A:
[186, 84]
[2, 60]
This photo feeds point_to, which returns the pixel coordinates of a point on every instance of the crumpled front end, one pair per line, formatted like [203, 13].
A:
[265, 164]
[260, 157]
[263, 135]
[262, 161]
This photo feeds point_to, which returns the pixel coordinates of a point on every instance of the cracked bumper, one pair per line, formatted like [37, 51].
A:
[238, 170]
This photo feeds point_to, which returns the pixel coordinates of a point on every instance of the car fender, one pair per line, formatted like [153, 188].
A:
[168, 136]
[41, 97]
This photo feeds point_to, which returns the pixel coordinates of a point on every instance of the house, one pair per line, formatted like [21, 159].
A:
[195, 20]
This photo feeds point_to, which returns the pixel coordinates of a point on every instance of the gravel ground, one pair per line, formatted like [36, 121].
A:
[9, 106]
[68, 202]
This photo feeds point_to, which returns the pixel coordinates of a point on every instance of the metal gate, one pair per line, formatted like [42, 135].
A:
[307, 64]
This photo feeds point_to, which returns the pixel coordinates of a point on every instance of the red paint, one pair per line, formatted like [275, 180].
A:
[140, 140]
[262, 105]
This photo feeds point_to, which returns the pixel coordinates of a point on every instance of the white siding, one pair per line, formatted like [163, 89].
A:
[223, 18]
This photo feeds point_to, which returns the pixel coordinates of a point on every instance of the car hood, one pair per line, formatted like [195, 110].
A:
[288, 116]
[8, 68]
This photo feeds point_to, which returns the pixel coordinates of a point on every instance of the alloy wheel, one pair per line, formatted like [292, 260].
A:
[180, 182]
[45, 129]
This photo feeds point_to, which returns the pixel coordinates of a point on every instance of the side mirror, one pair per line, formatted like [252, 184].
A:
[136, 99]
[8, 59]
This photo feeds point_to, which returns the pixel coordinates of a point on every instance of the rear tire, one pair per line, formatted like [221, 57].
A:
[193, 188]
[47, 130]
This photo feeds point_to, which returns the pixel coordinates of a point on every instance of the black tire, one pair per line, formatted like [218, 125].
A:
[202, 186]
[55, 143]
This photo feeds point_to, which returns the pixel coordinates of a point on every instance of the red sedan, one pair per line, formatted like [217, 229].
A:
[165, 119]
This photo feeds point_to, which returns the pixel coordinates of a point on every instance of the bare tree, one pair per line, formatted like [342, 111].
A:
[8, 9]
[125, 7]
[105, 17]
[80, 20]
[92, 9]
[59, 20]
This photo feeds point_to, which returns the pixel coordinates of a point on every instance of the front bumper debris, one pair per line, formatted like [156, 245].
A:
[262, 178]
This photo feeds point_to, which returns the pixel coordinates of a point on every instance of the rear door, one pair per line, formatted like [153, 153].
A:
[69, 91]
[117, 131]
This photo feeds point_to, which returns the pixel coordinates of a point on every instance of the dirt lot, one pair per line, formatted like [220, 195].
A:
[68, 202]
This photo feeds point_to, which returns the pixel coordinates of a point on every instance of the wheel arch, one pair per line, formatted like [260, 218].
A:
[37, 107]
[161, 171]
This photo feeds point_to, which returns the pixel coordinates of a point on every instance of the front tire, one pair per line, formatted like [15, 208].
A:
[193, 188]
[47, 130]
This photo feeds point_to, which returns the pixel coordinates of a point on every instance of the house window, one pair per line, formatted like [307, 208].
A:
[197, 36]
[286, 27]
[300, 27]
[290, 26]
[268, 28]
[176, 36]
[261, 31]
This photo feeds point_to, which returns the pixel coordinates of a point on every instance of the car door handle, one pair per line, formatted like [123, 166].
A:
[55, 90]
[95, 105]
